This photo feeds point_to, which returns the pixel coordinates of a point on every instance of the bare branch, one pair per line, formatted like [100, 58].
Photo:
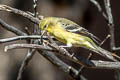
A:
[21, 38]
[30, 53]
[32, 46]
[35, 15]
[95, 64]
[82, 67]
[111, 25]
[24, 64]
[63, 66]
[69, 68]
[11, 28]
[108, 36]
[99, 8]
[19, 12]
[106, 65]
[60, 51]
[111, 30]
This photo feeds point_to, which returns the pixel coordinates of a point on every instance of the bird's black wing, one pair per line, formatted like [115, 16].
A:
[81, 30]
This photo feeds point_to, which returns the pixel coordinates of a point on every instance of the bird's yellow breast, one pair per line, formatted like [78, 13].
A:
[58, 32]
[64, 36]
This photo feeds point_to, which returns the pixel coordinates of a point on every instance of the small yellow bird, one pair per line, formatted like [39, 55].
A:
[64, 30]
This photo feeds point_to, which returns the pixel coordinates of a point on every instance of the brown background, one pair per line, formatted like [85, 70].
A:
[82, 12]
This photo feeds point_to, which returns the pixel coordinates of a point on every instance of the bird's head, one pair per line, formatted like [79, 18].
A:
[47, 22]
[43, 23]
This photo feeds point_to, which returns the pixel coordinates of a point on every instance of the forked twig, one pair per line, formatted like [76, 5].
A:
[111, 25]
[99, 8]
[19, 12]
[31, 52]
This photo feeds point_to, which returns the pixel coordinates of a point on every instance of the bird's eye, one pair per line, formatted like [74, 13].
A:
[63, 24]
[45, 26]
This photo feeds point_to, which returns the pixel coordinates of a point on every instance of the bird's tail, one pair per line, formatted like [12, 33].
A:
[105, 53]
[93, 47]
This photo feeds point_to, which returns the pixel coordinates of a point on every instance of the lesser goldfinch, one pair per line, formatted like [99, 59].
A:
[64, 30]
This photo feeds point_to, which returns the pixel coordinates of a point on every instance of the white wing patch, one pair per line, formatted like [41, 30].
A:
[89, 44]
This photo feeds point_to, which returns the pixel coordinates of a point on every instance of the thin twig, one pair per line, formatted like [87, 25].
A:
[25, 63]
[11, 28]
[19, 12]
[99, 8]
[111, 30]
[108, 36]
[111, 25]
[82, 67]
[63, 66]
[21, 38]
[109, 19]
[30, 53]
[35, 15]
[32, 46]
[27, 31]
